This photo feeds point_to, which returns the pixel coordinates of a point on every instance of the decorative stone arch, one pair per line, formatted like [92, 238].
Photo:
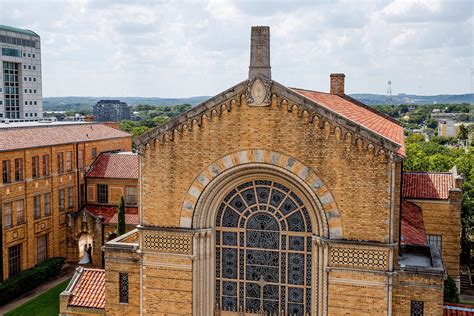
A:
[327, 217]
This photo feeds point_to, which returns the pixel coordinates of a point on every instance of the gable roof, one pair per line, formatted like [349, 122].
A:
[89, 290]
[413, 226]
[115, 165]
[360, 114]
[16, 138]
[109, 213]
[427, 185]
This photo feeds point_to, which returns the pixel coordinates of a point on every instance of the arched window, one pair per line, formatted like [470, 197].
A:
[263, 250]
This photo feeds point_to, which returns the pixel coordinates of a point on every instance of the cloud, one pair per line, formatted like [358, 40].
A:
[185, 48]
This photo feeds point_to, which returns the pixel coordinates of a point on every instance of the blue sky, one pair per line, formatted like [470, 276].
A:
[188, 48]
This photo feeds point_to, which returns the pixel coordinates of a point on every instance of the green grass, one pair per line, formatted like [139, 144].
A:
[46, 304]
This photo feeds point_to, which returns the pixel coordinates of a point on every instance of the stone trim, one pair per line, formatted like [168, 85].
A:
[273, 158]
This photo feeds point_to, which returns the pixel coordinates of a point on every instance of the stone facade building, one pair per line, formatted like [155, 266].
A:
[43, 183]
[269, 199]
[111, 110]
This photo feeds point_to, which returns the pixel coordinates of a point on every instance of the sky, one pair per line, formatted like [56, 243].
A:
[193, 48]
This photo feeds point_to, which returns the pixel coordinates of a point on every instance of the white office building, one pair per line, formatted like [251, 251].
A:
[20, 83]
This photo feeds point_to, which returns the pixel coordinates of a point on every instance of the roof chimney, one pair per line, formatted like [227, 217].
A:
[337, 84]
[260, 52]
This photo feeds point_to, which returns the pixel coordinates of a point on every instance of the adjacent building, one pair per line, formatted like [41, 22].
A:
[43, 168]
[20, 83]
[111, 110]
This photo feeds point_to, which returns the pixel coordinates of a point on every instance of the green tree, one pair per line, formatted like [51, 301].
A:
[137, 131]
[463, 132]
[450, 291]
[121, 217]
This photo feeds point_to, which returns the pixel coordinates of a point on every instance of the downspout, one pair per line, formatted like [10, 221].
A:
[103, 243]
[391, 232]
[140, 223]
[4, 253]
[79, 202]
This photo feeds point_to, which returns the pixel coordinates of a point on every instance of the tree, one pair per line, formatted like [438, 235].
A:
[121, 217]
[463, 132]
[450, 291]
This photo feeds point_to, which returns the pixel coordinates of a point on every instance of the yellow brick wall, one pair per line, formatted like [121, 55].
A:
[116, 188]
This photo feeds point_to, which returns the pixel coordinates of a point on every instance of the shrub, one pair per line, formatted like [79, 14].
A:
[29, 279]
[450, 291]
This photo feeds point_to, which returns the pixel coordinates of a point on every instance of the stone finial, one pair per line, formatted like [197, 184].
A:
[260, 52]
[337, 84]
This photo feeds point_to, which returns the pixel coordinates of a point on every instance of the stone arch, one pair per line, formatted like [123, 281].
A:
[329, 216]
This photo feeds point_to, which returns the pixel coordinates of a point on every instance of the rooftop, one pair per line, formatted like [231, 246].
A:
[427, 185]
[117, 165]
[87, 288]
[22, 137]
[17, 30]
[413, 226]
[109, 213]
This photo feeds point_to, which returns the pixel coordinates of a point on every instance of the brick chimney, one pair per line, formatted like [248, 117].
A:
[337, 84]
[260, 52]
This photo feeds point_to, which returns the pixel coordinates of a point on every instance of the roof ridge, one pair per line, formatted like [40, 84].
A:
[421, 172]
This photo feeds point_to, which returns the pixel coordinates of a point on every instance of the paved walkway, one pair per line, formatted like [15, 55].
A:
[67, 274]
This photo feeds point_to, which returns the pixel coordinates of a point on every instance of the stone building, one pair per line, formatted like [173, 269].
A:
[112, 175]
[43, 171]
[272, 199]
[111, 110]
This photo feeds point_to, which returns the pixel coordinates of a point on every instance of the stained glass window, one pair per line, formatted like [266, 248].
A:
[263, 250]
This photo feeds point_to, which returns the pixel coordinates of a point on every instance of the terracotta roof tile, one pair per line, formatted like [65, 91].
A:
[89, 292]
[427, 185]
[28, 137]
[119, 165]
[368, 118]
[110, 212]
[413, 226]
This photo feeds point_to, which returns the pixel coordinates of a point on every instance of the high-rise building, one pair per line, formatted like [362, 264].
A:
[20, 85]
[111, 110]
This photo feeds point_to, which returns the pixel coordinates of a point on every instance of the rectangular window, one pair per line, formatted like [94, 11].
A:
[35, 167]
[61, 199]
[14, 260]
[69, 161]
[7, 214]
[60, 158]
[435, 240]
[6, 171]
[83, 193]
[41, 248]
[19, 169]
[80, 159]
[416, 308]
[123, 287]
[94, 153]
[37, 206]
[11, 52]
[102, 194]
[20, 212]
[131, 195]
[47, 204]
[70, 198]
[45, 165]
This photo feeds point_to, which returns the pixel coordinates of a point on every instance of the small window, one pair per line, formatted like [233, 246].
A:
[435, 240]
[416, 308]
[80, 159]
[123, 287]
[70, 198]
[37, 206]
[20, 212]
[26, 114]
[14, 260]
[24, 66]
[19, 169]
[6, 171]
[34, 79]
[131, 195]
[34, 91]
[34, 67]
[46, 165]
[26, 79]
[69, 161]
[102, 194]
[7, 214]
[94, 153]
[29, 78]
[60, 161]
[31, 90]
[26, 102]
[41, 248]
[33, 55]
[61, 199]
[35, 172]
[47, 204]
[26, 90]
[29, 67]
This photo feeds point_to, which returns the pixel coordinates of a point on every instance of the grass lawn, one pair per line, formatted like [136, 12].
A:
[46, 304]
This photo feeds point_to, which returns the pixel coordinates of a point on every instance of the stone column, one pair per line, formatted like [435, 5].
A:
[260, 52]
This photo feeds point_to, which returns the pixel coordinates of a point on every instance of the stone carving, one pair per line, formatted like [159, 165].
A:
[259, 91]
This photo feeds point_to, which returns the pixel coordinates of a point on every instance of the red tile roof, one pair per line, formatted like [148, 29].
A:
[368, 118]
[427, 185]
[109, 213]
[413, 226]
[120, 165]
[89, 291]
[16, 138]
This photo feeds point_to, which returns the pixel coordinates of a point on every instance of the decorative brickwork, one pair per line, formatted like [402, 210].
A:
[169, 242]
[359, 258]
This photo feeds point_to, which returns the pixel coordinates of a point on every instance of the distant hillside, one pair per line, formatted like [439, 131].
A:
[77, 103]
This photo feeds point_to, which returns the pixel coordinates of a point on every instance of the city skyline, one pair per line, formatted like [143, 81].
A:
[189, 48]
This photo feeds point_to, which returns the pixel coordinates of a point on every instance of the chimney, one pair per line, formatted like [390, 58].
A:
[260, 52]
[337, 84]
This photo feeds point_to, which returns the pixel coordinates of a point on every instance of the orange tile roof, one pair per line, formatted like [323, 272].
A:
[130, 219]
[89, 291]
[109, 213]
[364, 116]
[413, 226]
[16, 138]
[119, 165]
[427, 185]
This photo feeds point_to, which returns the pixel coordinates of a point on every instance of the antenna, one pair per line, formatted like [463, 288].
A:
[389, 92]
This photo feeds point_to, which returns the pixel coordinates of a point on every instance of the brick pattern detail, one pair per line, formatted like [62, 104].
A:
[359, 258]
[169, 242]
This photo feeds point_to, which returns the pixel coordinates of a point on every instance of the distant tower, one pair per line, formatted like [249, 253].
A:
[389, 92]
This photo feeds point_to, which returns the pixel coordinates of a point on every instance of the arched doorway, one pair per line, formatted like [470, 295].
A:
[84, 240]
[263, 250]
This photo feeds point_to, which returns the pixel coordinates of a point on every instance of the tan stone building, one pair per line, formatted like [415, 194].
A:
[43, 169]
[269, 199]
